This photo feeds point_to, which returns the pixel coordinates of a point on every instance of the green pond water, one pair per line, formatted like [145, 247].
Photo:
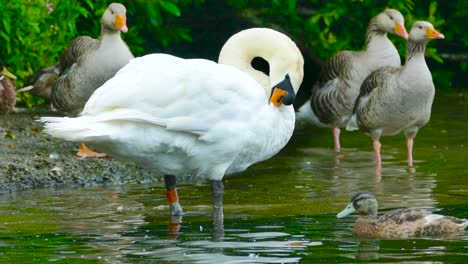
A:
[279, 211]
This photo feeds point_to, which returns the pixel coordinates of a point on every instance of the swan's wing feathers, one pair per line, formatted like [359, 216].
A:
[192, 96]
[78, 47]
[185, 124]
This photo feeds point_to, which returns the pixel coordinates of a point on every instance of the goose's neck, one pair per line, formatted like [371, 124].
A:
[415, 52]
[109, 34]
[374, 35]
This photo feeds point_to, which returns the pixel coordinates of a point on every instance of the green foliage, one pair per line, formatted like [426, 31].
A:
[33, 33]
[330, 26]
[327, 27]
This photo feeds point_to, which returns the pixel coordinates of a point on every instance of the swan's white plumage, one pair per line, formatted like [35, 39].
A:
[180, 117]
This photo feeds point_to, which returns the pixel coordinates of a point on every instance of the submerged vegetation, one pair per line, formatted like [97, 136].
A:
[34, 32]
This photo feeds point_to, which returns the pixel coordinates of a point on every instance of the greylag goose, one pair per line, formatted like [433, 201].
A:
[7, 90]
[395, 99]
[400, 223]
[333, 95]
[86, 65]
[187, 118]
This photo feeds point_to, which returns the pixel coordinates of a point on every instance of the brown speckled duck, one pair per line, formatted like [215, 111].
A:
[400, 223]
[7, 90]
[395, 99]
[86, 65]
[333, 95]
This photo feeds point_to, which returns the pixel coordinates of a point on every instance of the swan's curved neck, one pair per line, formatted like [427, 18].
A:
[240, 50]
[272, 46]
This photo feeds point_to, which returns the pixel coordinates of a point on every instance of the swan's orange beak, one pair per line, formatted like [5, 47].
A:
[400, 30]
[431, 33]
[283, 93]
[121, 23]
[277, 96]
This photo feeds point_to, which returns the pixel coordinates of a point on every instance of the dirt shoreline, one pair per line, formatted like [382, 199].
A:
[31, 158]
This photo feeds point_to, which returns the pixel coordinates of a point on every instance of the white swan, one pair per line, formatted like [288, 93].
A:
[192, 116]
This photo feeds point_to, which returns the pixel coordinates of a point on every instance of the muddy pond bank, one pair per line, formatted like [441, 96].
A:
[30, 158]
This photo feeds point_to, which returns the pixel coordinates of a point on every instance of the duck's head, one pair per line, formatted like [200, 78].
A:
[424, 31]
[391, 21]
[114, 18]
[5, 72]
[362, 202]
[285, 60]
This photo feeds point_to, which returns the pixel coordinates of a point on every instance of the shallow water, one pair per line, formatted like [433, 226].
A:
[279, 211]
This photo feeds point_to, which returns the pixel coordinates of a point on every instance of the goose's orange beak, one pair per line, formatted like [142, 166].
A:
[431, 33]
[121, 23]
[400, 30]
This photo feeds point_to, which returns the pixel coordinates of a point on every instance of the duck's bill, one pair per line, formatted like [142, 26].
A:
[283, 93]
[8, 74]
[431, 33]
[401, 31]
[347, 211]
[121, 23]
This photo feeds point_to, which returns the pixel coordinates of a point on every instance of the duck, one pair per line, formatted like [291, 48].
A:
[84, 66]
[7, 90]
[195, 116]
[395, 99]
[333, 95]
[399, 223]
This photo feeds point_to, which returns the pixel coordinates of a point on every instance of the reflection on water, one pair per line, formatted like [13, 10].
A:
[280, 211]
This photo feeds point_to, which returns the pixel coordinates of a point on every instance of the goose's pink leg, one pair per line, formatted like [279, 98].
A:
[336, 138]
[409, 145]
[376, 145]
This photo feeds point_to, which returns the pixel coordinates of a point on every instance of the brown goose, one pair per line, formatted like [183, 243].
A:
[333, 96]
[86, 65]
[400, 223]
[7, 90]
[395, 99]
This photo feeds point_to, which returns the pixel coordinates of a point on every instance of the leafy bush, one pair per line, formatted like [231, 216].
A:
[33, 33]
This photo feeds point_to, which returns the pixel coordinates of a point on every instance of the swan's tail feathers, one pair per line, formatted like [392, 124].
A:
[82, 129]
[352, 124]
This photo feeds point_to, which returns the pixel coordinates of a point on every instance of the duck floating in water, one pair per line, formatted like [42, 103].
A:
[395, 99]
[400, 223]
[193, 116]
[333, 95]
[7, 90]
[84, 66]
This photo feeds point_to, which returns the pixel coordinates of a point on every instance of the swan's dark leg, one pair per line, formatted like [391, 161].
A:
[217, 190]
[171, 195]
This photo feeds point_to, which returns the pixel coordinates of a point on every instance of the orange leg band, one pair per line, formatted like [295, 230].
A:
[171, 196]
